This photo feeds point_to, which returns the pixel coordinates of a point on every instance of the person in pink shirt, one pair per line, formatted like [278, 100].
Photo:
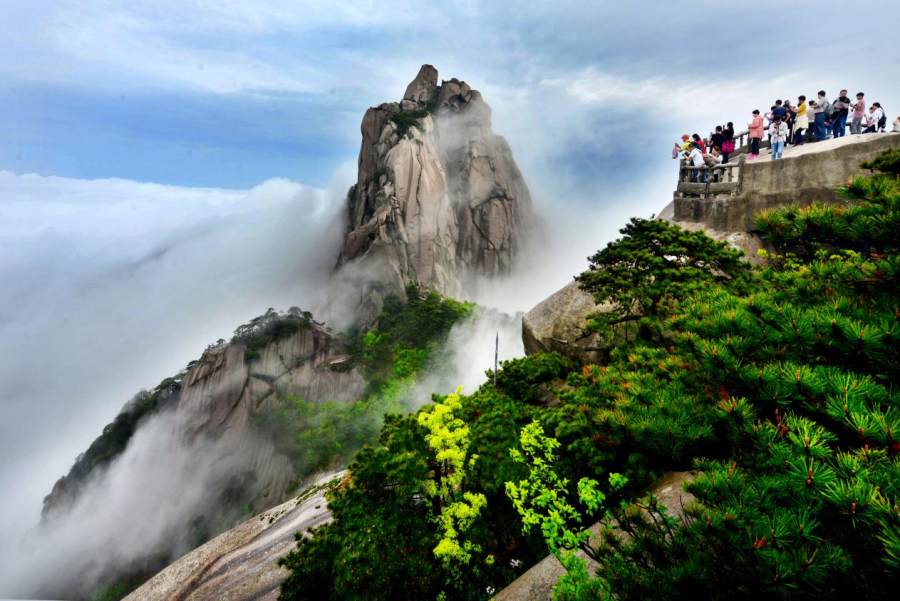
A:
[756, 128]
[859, 114]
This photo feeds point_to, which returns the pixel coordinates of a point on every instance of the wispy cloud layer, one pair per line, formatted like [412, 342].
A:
[108, 286]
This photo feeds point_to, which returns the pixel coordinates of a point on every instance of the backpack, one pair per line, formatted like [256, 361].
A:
[882, 123]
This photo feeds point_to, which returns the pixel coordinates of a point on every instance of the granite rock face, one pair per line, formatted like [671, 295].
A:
[242, 563]
[559, 324]
[221, 395]
[439, 200]
[224, 392]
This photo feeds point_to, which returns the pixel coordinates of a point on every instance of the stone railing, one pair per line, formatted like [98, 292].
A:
[707, 181]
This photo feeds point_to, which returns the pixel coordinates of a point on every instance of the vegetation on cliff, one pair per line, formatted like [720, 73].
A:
[776, 385]
[112, 441]
[392, 355]
[270, 327]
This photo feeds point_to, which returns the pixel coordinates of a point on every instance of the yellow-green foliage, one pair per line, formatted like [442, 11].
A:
[541, 499]
[448, 437]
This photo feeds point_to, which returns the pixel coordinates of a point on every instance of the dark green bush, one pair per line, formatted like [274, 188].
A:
[269, 327]
[887, 162]
[524, 379]
[406, 119]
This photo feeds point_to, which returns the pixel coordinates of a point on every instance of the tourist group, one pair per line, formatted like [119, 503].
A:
[785, 123]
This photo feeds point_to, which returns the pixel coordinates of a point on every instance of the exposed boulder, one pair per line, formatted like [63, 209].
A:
[439, 200]
[749, 243]
[559, 324]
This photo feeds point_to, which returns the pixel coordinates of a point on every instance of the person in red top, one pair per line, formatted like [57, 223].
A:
[756, 128]
[699, 141]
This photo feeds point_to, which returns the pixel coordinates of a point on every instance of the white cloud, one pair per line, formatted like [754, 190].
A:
[108, 286]
[145, 500]
[698, 102]
[227, 47]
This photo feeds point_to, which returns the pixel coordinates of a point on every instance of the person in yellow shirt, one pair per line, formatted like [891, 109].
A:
[801, 122]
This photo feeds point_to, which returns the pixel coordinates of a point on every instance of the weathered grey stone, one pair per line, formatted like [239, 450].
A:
[453, 94]
[242, 563]
[559, 322]
[440, 204]
[223, 392]
[748, 243]
[537, 583]
[422, 89]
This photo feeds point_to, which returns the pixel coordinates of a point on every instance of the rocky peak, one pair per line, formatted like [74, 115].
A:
[421, 90]
[439, 200]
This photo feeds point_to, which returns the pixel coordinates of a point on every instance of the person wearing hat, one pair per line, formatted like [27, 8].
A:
[681, 148]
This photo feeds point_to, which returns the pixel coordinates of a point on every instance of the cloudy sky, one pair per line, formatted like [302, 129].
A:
[169, 169]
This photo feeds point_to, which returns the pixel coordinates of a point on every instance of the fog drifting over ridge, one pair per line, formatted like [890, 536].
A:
[111, 285]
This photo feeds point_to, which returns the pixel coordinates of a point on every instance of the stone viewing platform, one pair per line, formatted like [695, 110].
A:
[807, 173]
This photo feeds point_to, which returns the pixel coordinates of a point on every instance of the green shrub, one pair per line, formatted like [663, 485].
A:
[406, 334]
[270, 327]
[113, 440]
[113, 592]
[653, 264]
[793, 381]
[392, 355]
[525, 379]
[407, 119]
[887, 162]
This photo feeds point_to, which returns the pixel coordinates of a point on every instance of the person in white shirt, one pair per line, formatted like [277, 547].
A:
[696, 158]
[713, 159]
[878, 116]
[896, 128]
[871, 121]
[779, 133]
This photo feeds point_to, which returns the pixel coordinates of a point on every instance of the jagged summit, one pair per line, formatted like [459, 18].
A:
[421, 89]
[439, 200]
